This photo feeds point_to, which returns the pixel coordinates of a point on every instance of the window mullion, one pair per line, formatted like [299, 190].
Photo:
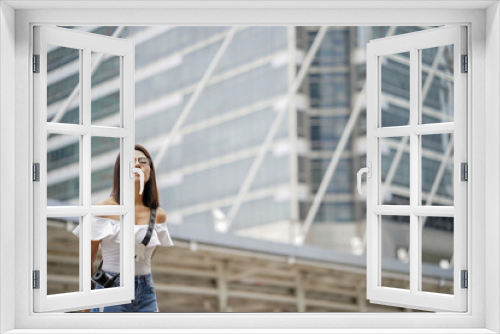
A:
[85, 158]
[414, 170]
[372, 221]
[82, 220]
[127, 146]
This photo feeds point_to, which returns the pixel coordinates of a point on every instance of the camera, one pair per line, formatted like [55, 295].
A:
[103, 279]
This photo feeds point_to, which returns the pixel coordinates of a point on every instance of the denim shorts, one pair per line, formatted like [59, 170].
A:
[145, 296]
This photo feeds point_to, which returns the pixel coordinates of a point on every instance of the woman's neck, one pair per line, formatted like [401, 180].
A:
[139, 198]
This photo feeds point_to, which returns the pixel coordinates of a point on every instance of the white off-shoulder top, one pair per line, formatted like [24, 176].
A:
[107, 231]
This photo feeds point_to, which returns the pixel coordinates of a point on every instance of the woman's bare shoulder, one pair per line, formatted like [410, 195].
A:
[161, 216]
[107, 201]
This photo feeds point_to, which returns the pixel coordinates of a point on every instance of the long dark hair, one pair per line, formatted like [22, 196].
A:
[150, 199]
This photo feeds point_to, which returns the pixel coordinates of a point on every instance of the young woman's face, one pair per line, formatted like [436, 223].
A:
[142, 162]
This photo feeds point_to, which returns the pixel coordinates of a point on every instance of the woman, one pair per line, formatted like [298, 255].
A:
[105, 231]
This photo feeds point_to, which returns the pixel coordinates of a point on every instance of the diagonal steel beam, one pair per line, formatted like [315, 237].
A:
[275, 126]
[64, 108]
[332, 166]
[194, 98]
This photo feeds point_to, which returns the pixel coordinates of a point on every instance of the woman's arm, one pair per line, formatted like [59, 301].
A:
[161, 217]
[94, 247]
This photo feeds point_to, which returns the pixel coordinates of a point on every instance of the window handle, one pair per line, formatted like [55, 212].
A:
[141, 175]
[368, 171]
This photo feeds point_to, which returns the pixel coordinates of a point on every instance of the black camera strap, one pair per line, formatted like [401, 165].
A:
[144, 241]
[149, 233]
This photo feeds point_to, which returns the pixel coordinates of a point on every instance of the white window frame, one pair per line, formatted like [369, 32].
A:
[483, 123]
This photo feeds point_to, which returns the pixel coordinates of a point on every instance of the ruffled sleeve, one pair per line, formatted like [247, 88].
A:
[163, 235]
[100, 228]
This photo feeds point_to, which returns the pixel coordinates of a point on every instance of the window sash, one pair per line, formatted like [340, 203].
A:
[413, 298]
[86, 43]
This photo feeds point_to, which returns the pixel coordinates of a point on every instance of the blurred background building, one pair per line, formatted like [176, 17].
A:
[210, 156]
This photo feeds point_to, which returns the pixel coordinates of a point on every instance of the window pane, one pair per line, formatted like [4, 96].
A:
[63, 85]
[104, 153]
[63, 170]
[106, 94]
[437, 85]
[395, 255]
[395, 89]
[437, 254]
[437, 169]
[395, 171]
[63, 260]
[106, 232]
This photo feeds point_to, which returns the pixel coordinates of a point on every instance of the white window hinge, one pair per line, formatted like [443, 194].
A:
[465, 279]
[36, 172]
[36, 63]
[36, 279]
[465, 64]
[464, 168]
